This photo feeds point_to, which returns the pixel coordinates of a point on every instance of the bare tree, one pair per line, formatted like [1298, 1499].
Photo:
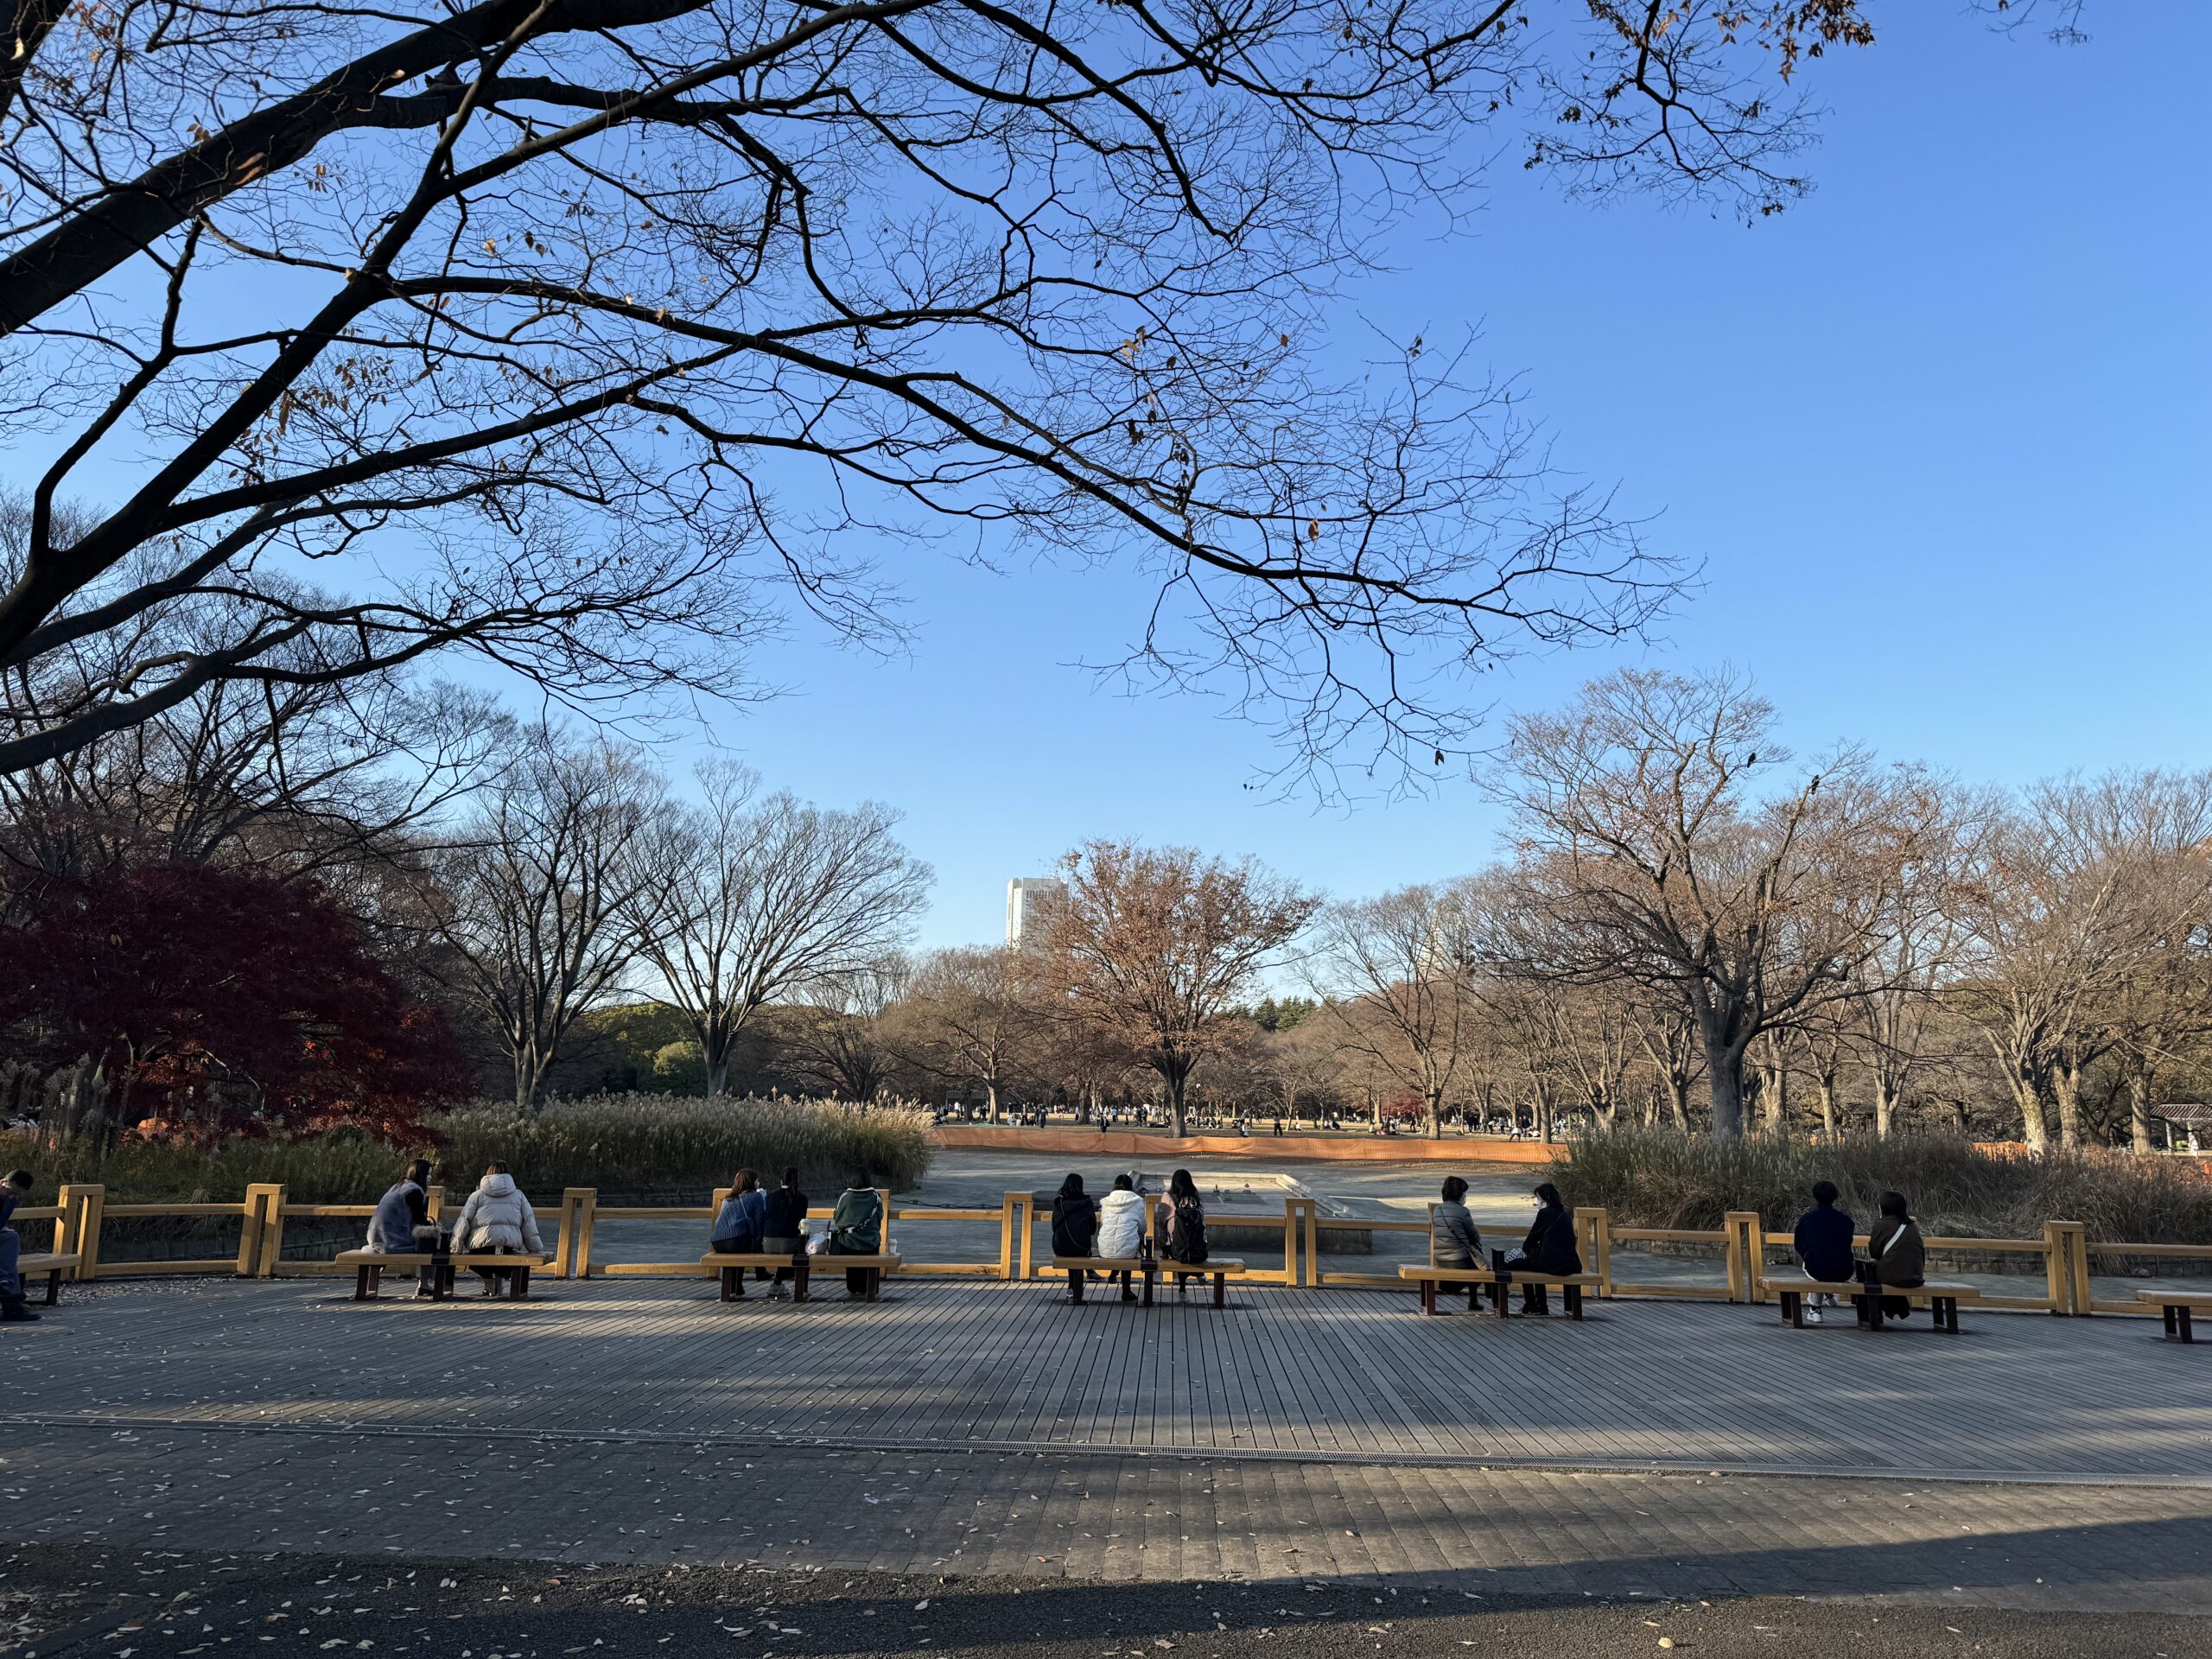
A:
[1392, 974]
[1159, 946]
[541, 294]
[540, 899]
[839, 1038]
[1649, 858]
[2075, 896]
[974, 1016]
[765, 898]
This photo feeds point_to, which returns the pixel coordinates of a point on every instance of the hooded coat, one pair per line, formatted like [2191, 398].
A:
[1075, 1225]
[1121, 1223]
[496, 1217]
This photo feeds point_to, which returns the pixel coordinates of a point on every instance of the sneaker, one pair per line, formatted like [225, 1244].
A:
[778, 1294]
[1812, 1316]
[16, 1313]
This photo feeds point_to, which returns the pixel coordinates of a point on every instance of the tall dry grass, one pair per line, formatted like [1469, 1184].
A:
[1659, 1178]
[641, 1147]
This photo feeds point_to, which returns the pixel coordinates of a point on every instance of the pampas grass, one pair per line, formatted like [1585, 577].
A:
[635, 1147]
[1659, 1178]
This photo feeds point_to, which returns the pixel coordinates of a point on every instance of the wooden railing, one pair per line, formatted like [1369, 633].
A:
[1742, 1248]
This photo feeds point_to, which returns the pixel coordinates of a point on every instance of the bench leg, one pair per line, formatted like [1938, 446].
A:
[1221, 1290]
[361, 1284]
[1501, 1298]
[1075, 1284]
[872, 1279]
[2167, 1314]
[1793, 1310]
[53, 1288]
[732, 1286]
[802, 1270]
[2181, 1320]
[1572, 1295]
[1428, 1297]
[1150, 1274]
[519, 1287]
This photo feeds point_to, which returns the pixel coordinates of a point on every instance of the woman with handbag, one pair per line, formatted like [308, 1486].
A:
[1898, 1255]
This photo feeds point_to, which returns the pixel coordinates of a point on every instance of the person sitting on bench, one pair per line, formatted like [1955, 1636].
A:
[1549, 1247]
[1121, 1228]
[1181, 1227]
[1455, 1240]
[1823, 1240]
[740, 1224]
[402, 1223]
[782, 1228]
[857, 1228]
[1075, 1219]
[1899, 1257]
[14, 1306]
[497, 1221]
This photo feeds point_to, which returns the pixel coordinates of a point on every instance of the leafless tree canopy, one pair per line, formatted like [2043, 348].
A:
[571, 332]
[539, 902]
[758, 901]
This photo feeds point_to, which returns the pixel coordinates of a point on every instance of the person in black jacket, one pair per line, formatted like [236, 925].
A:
[782, 1228]
[1549, 1247]
[1823, 1240]
[1075, 1219]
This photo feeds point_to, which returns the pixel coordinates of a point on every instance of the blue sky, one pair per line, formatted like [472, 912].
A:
[1940, 435]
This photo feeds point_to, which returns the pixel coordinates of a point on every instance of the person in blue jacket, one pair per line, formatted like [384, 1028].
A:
[1823, 1240]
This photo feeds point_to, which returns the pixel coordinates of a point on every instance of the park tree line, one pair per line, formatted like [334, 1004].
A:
[260, 912]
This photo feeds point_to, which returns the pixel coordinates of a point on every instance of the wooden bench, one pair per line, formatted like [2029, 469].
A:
[369, 1265]
[1570, 1286]
[2176, 1305]
[1942, 1299]
[1217, 1268]
[731, 1268]
[29, 1265]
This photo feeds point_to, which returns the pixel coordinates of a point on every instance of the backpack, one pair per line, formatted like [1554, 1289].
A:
[1186, 1231]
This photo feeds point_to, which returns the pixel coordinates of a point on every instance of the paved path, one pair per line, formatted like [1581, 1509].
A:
[965, 1430]
[1283, 1372]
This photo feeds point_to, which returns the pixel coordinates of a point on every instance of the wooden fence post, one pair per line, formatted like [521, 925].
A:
[65, 1224]
[1028, 1232]
[1596, 1229]
[253, 1223]
[586, 1223]
[1742, 1272]
[1005, 1233]
[81, 1206]
[1313, 1274]
[272, 1230]
[2065, 1266]
[572, 1205]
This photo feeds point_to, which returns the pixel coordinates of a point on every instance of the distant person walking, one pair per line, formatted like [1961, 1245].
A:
[1823, 1240]
[782, 1228]
[497, 1221]
[1899, 1255]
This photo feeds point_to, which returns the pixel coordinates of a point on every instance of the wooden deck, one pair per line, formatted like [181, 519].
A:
[1302, 1374]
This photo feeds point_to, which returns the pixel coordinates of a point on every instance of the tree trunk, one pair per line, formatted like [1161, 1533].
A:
[1434, 1104]
[1724, 1065]
[1885, 1107]
[1178, 1118]
[2066, 1083]
[2028, 1097]
[1825, 1086]
[1678, 1102]
[2139, 1111]
[991, 1099]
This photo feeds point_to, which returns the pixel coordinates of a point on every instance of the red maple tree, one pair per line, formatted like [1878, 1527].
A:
[220, 1003]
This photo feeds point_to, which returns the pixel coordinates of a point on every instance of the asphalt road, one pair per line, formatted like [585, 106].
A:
[58, 1601]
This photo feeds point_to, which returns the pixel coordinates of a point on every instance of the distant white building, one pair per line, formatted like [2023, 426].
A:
[1025, 896]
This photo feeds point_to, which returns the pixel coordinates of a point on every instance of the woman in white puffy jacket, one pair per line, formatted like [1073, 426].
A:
[496, 1219]
[1121, 1226]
